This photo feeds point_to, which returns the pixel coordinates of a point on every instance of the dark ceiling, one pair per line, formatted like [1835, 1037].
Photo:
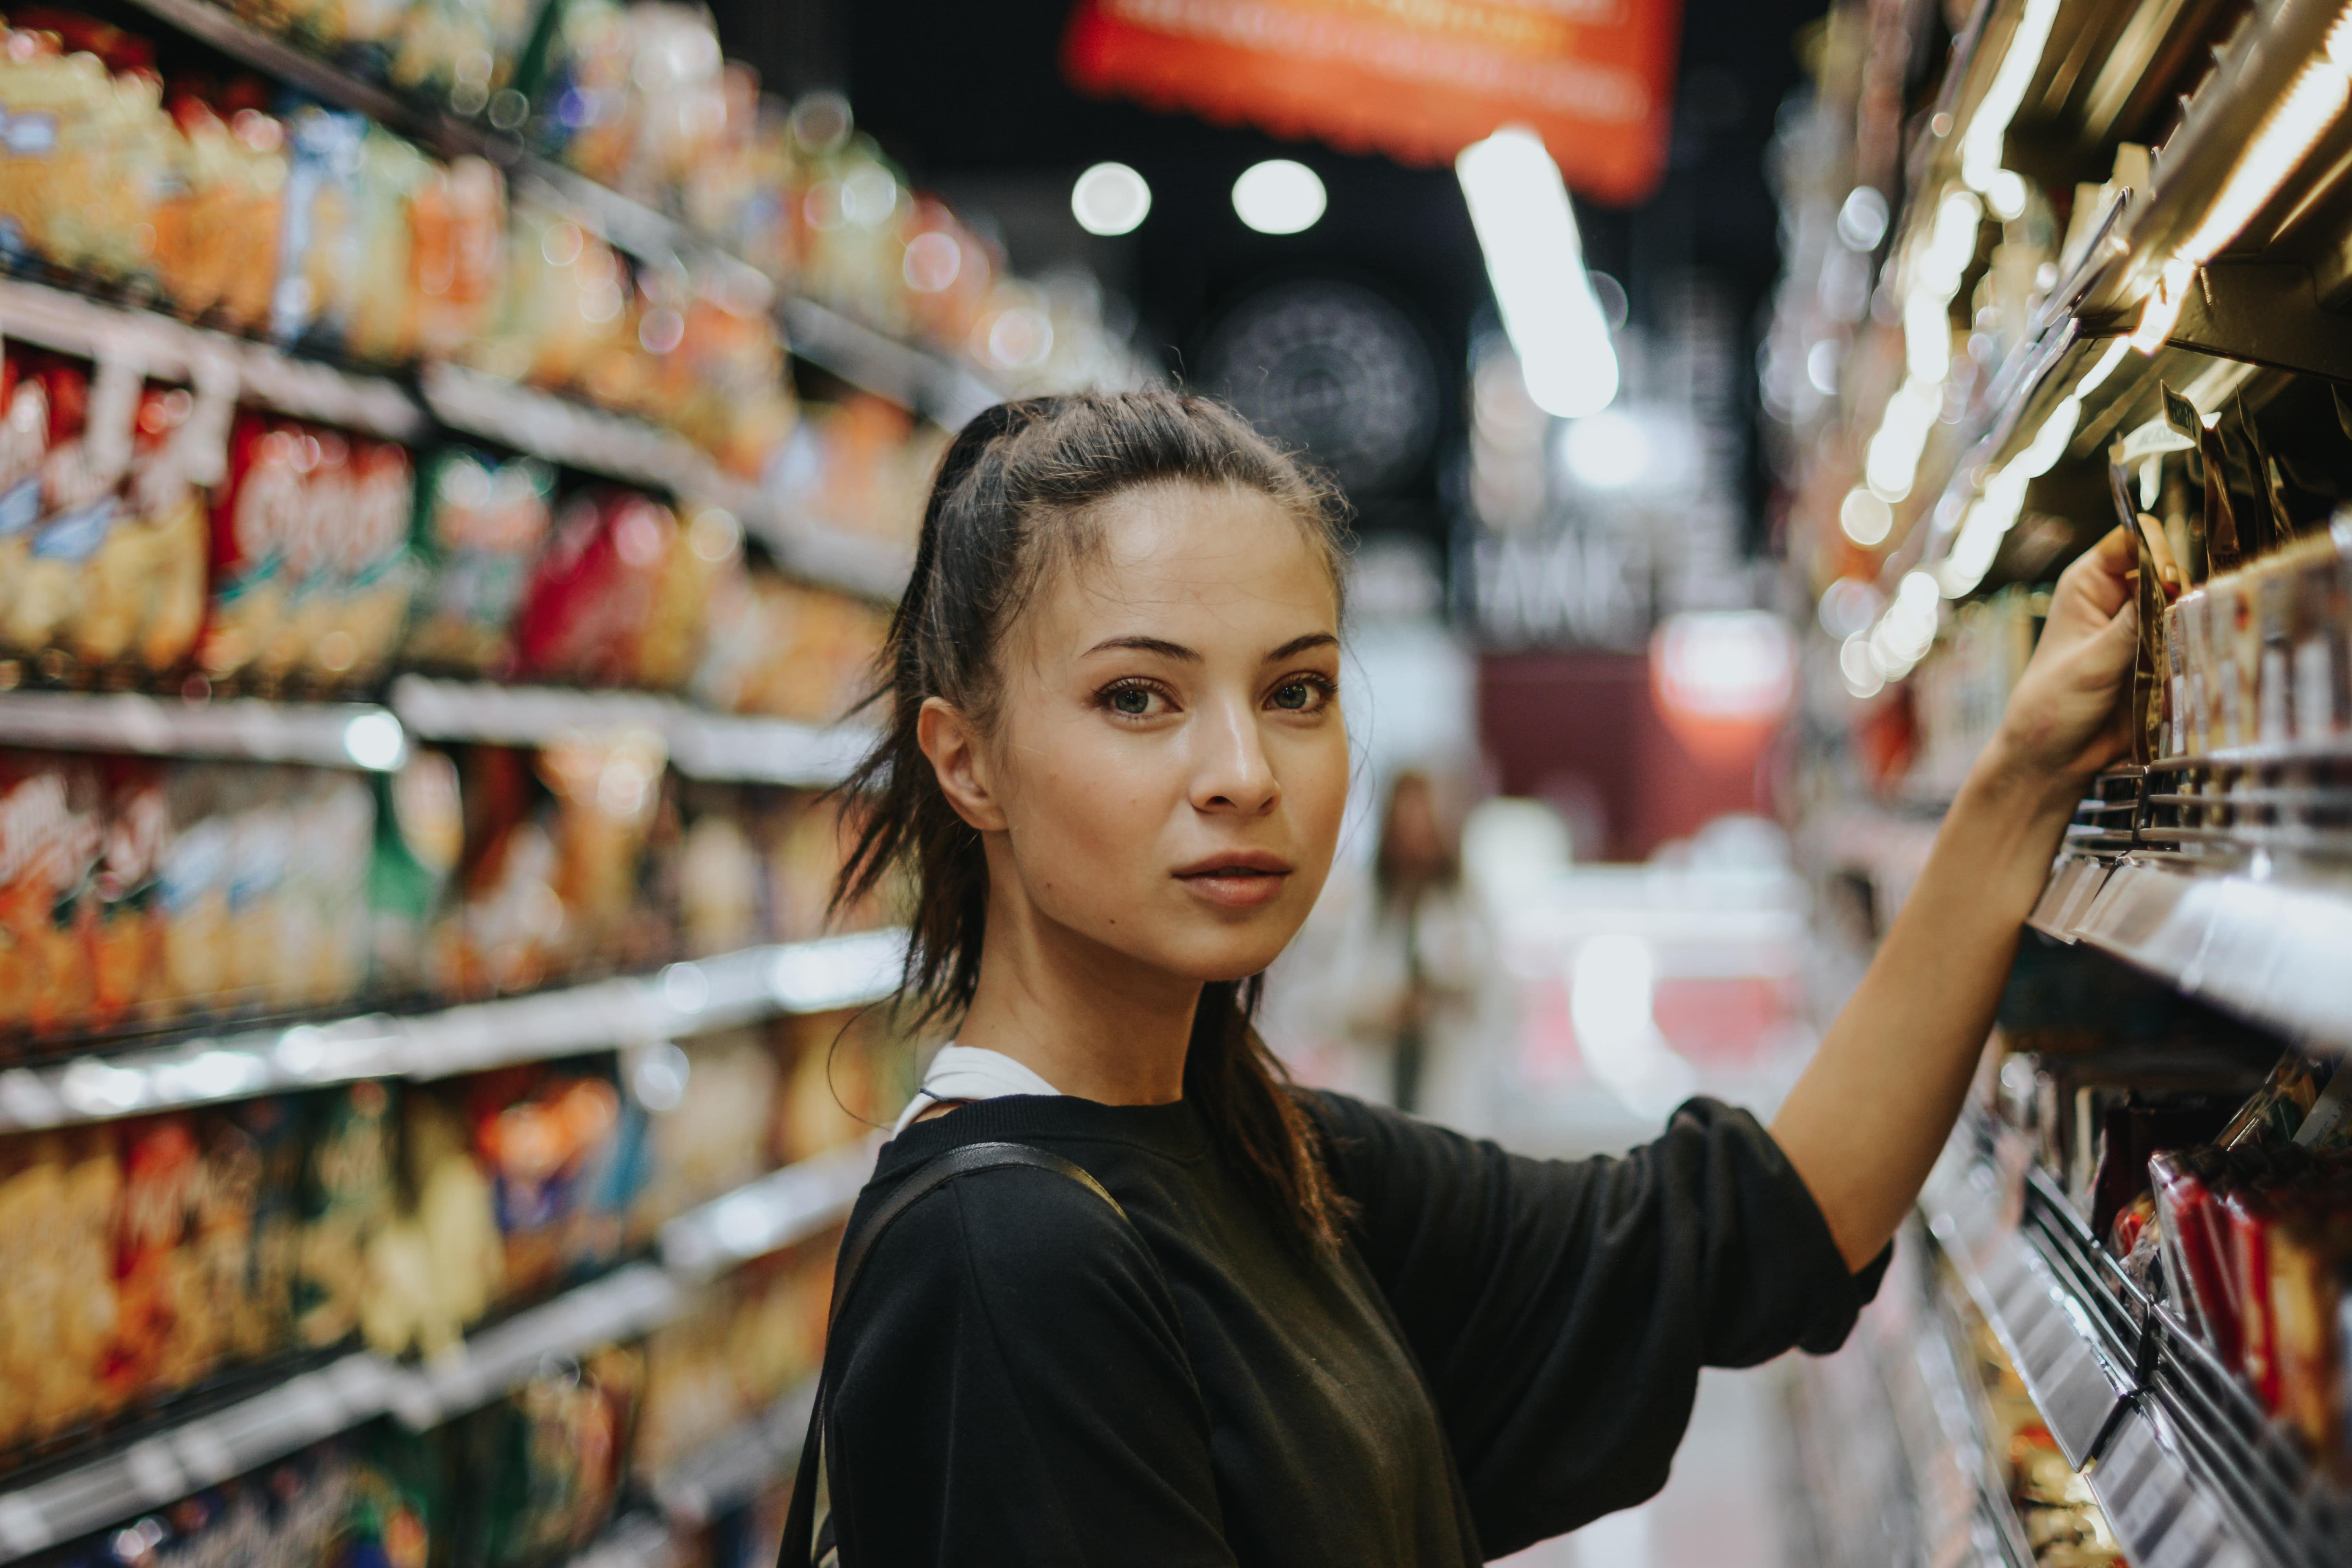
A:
[971, 101]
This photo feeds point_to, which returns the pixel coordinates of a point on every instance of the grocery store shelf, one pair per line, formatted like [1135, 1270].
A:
[171, 350]
[199, 1452]
[2251, 942]
[775, 1212]
[703, 745]
[617, 445]
[635, 1540]
[945, 391]
[1940, 1417]
[847, 349]
[297, 67]
[620, 1306]
[737, 1467]
[2076, 1376]
[2187, 1468]
[161, 1466]
[683, 999]
[323, 734]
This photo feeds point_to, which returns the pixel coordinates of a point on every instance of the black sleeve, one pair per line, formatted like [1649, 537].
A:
[1010, 1387]
[1562, 1310]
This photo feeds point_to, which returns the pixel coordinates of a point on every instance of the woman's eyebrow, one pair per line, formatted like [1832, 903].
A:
[1139, 644]
[1296, 645]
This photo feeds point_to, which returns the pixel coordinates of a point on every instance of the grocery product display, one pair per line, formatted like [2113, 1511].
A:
[432, 620]
[2058, 301]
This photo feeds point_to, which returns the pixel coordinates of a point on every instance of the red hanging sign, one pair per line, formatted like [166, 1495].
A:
[1417, 80]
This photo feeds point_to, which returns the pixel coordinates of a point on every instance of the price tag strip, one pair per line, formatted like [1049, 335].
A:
[724, 748]
[769, 1214]
[2156, 1510]
[736, 1467]
[197, 1453]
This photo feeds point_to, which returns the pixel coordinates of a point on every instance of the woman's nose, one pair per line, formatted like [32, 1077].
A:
[1232, 771]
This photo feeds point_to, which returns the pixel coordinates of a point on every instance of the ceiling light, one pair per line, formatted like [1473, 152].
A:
[1519, 206]
[1278, 197]
[1110, 199]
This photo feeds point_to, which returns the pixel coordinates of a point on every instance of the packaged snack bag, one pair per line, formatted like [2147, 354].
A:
[127, 941]
[439, 1264]
[544, 1465]
[320, 255]
[58, 1195]
[457, 256]
[255, 515]
[480, 524]
[218, 234]
[608, 792]
[420, 836]
[88, 451]
[2187, 1213]
[193, 885]
[537, 1135]
[140, 594]
[24, 448]
[348, 1196]
[370, 573]
[595, 589]
[50, 839]
[715, 1137]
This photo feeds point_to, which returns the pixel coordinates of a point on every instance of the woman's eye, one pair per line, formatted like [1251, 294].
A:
[1297, 696]
[1132, 701]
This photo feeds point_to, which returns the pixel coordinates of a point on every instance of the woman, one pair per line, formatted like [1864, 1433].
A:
[1408, 977]
[1312, 1331]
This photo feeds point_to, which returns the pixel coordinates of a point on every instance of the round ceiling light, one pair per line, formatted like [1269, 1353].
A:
[1279, 196]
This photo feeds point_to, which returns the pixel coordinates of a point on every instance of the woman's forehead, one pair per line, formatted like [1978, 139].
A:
[1179, 548]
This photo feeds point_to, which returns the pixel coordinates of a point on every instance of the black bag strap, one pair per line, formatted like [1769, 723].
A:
[805, 1545]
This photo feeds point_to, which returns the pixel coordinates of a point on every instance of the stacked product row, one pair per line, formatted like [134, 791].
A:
[2236, 1211]
[163, 1255]
[153, 533]
[140, 894]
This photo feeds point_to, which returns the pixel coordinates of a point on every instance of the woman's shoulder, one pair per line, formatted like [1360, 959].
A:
[1023, 1243]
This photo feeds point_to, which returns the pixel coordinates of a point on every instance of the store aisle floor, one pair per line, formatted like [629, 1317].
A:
[1725, 1506]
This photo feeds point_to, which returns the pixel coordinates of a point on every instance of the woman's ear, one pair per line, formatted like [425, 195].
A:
[951, 742]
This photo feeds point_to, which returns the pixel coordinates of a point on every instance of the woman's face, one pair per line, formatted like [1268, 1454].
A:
[1169, 766]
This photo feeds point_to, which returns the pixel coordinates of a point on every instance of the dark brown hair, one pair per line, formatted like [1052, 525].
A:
[1013, 500]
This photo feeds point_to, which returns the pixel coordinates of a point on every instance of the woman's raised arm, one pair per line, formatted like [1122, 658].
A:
[1865, 1123]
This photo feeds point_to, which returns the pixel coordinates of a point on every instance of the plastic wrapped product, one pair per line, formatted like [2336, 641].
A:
[2307, 1253]
[127, 941]
[319, 256]
[538, 1135]
[217, 232]
[2193, 1262]
[595, 592]
[50, 839]
[347, 1197]
[480, 525]
[58, 1195]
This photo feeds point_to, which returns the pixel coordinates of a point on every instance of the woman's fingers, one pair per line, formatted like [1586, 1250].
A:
[2093, 588]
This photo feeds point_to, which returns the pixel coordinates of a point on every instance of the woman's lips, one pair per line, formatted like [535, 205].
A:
[1243, 882]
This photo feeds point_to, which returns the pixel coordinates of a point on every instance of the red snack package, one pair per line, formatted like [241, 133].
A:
[2186, 1211]
[594, 593]
[2249, 1216]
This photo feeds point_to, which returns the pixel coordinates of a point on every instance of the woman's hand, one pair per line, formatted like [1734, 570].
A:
[1865, 1121]
[2068, 717]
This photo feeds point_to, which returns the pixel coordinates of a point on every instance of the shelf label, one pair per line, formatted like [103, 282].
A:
[2068, 1380]
[2156, 1510]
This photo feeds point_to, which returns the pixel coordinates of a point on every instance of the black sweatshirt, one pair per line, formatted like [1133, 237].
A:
[1506, 1348]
